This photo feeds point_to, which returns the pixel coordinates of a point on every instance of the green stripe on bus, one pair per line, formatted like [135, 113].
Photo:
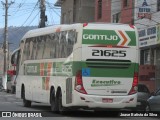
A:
[70, 69]
[107, 72]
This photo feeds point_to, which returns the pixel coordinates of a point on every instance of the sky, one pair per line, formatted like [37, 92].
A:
[27, 13]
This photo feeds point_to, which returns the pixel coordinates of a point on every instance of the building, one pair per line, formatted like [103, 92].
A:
[144, 15]
[148, 24]
[76, 11]
[114, 11]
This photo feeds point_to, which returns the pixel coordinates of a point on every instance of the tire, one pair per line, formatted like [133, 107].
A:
[147, 108]
[54, 104]
[13, 89]
[7, 91]
[144, 106]
[61, 109]
[26, 103]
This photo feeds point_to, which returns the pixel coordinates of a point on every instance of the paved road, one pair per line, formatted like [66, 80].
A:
[8, 102]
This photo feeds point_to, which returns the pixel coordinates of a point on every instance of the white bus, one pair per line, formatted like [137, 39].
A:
[88, 66]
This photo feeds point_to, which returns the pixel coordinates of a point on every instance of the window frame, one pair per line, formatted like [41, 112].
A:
[99, 9]
[116, 17]
[158, 5]
[125, 3]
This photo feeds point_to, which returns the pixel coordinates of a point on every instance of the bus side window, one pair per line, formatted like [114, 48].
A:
[47, 47]
[71, 39]
[31, 48]
[40, 47]
[18, 61]
[34, 51]
[52, 45]
[62, 52]
[57, 45]
[26, 51]
[21, 51]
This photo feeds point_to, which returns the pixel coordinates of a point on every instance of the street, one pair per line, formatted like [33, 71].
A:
[8, 102]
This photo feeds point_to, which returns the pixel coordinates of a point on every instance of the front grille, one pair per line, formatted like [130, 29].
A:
[108, 63]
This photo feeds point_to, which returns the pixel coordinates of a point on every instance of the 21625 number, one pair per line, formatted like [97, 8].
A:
[107, 53]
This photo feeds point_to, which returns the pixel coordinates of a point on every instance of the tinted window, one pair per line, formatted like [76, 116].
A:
[55, 45]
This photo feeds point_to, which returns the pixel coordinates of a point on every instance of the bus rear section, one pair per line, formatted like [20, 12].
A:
[108, 75]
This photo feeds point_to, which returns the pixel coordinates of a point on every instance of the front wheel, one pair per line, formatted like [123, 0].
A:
[8, 90]
[13, 89]
[26, 103]
[54, 104]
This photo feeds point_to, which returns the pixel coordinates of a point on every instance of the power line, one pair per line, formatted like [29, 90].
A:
[53, 9]
[27, 17]
[34, 18]
[30, 14]
[19, 28]
[20, 5]
[52, 20]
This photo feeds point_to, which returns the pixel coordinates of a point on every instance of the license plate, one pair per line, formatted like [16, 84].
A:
[107, 100]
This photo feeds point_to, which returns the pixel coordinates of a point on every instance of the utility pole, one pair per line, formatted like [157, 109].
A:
[5, 44]
[43, 17]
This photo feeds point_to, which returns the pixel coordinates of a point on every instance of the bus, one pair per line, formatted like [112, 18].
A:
[79, 66]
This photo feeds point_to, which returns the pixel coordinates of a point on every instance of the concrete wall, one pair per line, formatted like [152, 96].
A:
[67, 12]
[77, 11]
[86, 11]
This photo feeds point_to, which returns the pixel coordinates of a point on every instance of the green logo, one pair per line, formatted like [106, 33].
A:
[31, 69]
[96, 83]
[99, 37]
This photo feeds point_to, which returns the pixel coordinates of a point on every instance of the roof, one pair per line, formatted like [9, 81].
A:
[48, 30]
[51, 29]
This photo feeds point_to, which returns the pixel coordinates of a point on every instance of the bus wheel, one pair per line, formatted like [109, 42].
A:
[61, 109]
[7, 91]
[54, 105]
[13, 89]
[26, 103]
